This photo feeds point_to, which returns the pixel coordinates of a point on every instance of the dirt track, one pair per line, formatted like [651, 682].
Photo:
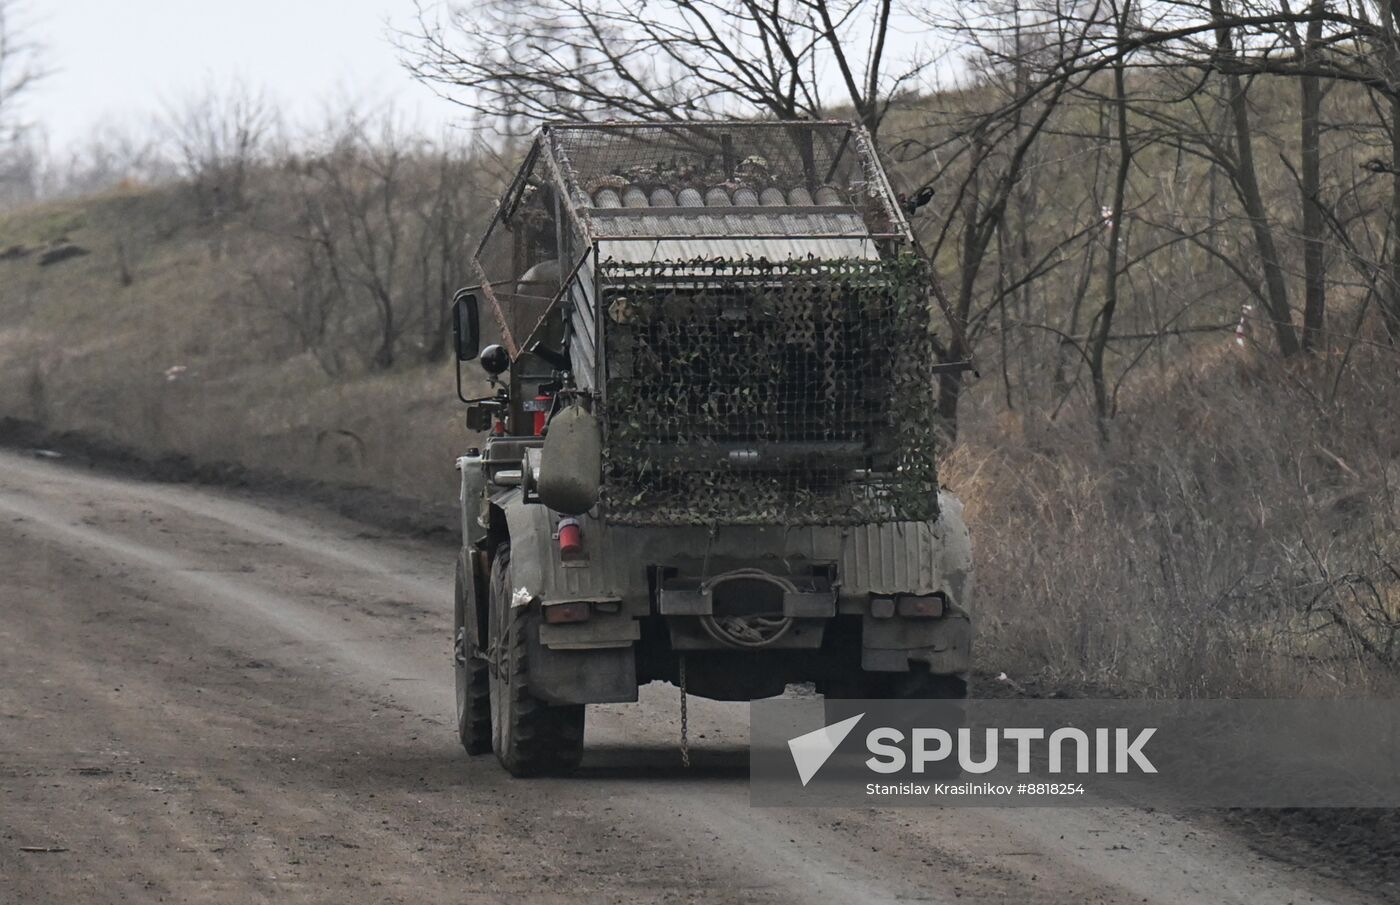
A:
[205, 697]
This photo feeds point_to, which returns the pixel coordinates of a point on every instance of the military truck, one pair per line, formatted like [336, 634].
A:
[709, 435]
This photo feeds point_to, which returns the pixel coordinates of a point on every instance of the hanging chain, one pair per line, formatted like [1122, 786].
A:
[685, 722]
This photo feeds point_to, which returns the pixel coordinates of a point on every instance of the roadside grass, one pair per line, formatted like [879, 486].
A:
[1238, 536]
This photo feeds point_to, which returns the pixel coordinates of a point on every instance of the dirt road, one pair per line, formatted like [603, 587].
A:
[211, 698]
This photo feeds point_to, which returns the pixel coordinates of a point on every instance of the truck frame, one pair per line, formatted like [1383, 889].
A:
[708, 454]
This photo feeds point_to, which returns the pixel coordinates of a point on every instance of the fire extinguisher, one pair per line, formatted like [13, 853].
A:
[542, 413]
[539, 407]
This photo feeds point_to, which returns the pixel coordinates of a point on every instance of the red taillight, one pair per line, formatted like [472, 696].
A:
[556, 613]
[928, 606]
[570, 539]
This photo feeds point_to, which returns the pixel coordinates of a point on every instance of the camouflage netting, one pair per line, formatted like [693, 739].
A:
[786, 393]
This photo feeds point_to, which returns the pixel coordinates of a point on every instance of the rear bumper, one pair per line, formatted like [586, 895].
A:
[588, 663]
[821, 577]
[619, 562]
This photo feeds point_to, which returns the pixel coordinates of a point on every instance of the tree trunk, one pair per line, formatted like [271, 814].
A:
[1391, 298]
[1247, 182]
[950, 385]
[388, 335]
[1314, 251]
[949, 396]
[1104, 326]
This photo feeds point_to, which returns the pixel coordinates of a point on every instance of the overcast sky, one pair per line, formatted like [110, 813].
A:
[120, 61]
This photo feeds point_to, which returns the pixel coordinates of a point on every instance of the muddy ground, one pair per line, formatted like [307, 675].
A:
[208, 695]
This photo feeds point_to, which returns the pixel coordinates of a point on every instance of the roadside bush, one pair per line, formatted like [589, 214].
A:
[1238, 536]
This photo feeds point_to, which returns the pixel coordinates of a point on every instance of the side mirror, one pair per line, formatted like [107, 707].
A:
[466, 325]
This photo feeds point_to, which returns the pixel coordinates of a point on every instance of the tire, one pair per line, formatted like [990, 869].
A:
[530, 737]
[919, 683]
[471, 672]
[916, 684]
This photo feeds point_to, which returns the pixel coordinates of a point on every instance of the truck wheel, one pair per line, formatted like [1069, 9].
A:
[472, 673]
[531, 738]
[921, 684]
[916, 684]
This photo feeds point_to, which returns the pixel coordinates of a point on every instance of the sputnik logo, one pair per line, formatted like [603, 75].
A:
[811, 750]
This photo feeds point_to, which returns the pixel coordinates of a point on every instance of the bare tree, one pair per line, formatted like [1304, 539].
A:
[219, 136]
[1247, 182]
[111, 155]
[1123, 141]
[982, 158]
[1309, 48]
[445, 218]
[21, 66]
[1349, 43]
[382, 222]
[523, 62]
[1160, 84]
[289, 281]
[21, 172]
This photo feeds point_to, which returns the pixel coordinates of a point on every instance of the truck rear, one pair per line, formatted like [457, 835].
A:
[709, 453]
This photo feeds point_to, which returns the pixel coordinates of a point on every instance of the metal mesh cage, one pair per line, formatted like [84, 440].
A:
[518, 261]
[531, 247]
[768, 393]
[764, 179]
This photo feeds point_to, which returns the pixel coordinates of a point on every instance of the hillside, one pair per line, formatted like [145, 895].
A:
[181, 356]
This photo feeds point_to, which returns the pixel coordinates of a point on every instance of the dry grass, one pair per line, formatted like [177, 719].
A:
[1237, 537]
